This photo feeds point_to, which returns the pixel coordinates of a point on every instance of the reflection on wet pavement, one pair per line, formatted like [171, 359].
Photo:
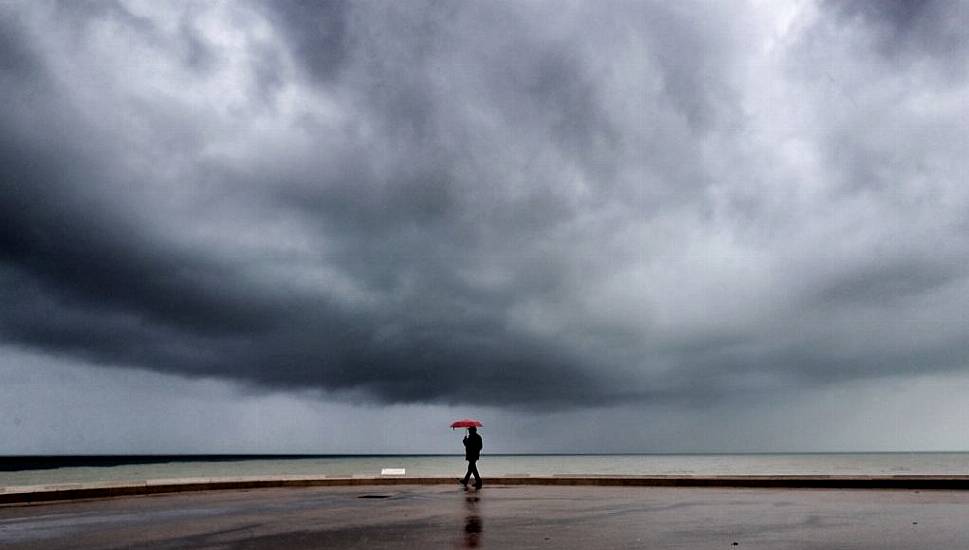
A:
[473, 526]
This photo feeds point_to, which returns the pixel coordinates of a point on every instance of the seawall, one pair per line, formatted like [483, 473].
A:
[25, 494]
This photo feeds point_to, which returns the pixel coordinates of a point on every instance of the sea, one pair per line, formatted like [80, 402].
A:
[42, 470]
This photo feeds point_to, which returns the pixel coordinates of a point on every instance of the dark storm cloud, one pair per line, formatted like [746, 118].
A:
[316, 32]
[912, 29]
[529, 204]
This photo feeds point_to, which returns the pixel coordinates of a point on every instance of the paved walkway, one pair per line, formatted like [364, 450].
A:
[437, 516]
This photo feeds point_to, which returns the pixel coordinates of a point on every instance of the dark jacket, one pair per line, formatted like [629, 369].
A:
[472, 447]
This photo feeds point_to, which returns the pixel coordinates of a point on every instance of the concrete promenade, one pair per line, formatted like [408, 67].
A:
[567, 516]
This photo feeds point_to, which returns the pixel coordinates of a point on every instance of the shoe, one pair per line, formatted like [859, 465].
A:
[477, 486]
[463, 483]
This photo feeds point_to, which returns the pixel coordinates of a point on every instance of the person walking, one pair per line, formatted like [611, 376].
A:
[472, 451]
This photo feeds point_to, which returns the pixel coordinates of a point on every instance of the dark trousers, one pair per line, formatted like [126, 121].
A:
[472, 469]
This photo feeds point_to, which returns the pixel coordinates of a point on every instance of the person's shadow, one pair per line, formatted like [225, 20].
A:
[473, 526]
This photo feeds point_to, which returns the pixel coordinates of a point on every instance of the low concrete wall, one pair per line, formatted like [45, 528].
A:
[72, 491]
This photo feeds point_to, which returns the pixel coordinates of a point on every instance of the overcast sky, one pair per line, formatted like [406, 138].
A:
[599, 226]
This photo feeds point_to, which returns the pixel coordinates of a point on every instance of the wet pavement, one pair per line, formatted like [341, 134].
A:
[499, 517]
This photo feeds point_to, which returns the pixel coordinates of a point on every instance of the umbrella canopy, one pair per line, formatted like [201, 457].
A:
[466, 423]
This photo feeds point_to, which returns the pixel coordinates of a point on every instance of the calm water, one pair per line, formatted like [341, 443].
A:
[749, 464]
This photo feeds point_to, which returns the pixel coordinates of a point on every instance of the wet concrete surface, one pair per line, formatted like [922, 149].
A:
[499, 517]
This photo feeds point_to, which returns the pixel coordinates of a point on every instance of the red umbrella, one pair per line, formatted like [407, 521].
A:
[466, 423]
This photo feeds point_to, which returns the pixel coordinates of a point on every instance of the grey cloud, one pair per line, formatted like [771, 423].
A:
[515, 204]
[907, 29]
[16, 58]
[887, 280]
[316, 33]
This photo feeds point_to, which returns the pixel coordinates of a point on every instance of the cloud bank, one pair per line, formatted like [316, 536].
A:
[539, 205]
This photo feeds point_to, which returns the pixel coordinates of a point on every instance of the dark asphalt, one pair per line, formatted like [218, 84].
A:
[499, 517]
